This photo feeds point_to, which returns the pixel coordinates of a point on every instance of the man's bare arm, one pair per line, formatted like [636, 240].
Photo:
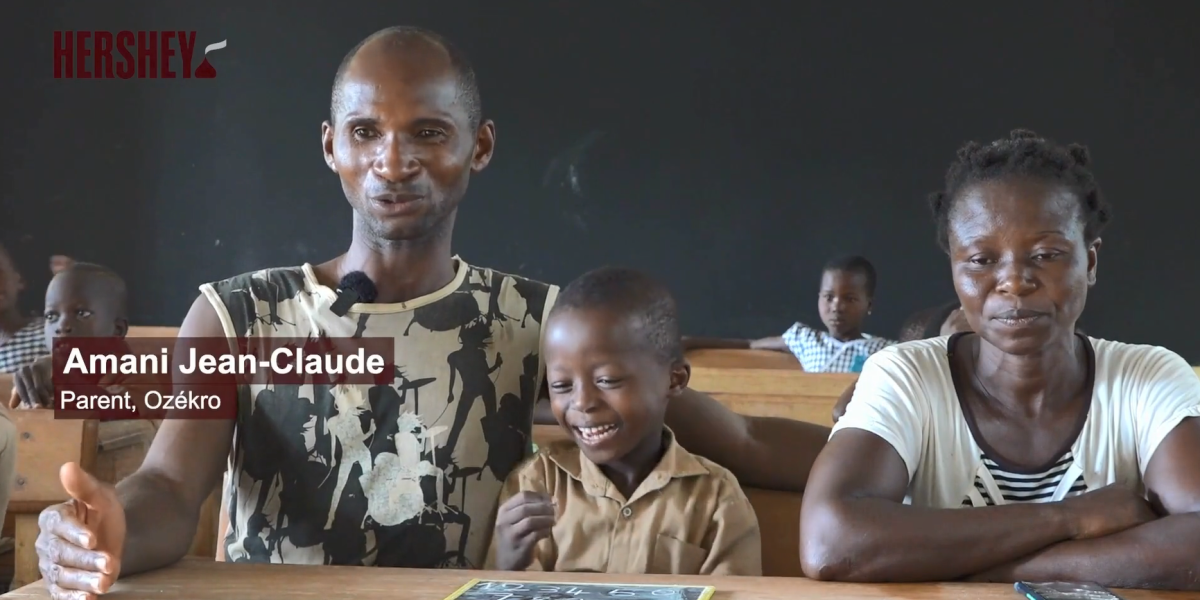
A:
[162, 499]
[761, 452]
[1161, 554]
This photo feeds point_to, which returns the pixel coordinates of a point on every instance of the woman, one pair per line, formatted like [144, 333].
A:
[1019, 451]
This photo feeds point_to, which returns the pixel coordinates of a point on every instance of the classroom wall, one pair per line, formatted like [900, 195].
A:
[730, 148]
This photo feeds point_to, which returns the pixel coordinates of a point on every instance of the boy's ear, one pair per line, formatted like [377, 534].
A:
[122, 327]
[681, 374]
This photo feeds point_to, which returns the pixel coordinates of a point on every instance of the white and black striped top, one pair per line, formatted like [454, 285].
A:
[1026, 487]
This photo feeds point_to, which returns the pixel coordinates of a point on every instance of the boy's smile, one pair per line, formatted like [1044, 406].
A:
[607, 387]
[595, 435]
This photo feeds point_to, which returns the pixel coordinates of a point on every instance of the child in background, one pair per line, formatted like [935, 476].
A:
[82, 300]
[934, 322]
[845, 300]
[20, 336]
[622, 496]
[937, 321]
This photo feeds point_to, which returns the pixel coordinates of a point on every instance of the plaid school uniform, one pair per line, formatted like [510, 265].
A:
[26, 346]
[819, 352]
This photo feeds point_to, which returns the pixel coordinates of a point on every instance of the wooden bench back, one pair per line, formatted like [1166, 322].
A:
[144, 331]
[774, 392]
[44, 445]
[743, 359]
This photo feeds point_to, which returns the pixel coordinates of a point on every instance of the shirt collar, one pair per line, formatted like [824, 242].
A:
[676, 463]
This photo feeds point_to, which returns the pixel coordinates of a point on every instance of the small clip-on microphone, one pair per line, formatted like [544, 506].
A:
[354, 288]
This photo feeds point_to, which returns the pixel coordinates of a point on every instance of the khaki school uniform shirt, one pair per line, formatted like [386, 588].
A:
[688, 517]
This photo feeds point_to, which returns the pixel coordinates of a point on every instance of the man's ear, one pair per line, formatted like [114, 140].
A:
[327, 144]
[485, 145]
[122, 327]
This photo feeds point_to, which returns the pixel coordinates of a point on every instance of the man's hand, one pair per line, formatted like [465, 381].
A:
[33, 385]
[81, 540]
[1108, 510]
[522, 521]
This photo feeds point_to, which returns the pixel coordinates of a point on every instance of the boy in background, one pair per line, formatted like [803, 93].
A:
[621, 496]
[82, 300]
[844, 302]
[20, 336]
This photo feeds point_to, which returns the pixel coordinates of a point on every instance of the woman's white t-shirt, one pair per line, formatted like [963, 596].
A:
[906, 396]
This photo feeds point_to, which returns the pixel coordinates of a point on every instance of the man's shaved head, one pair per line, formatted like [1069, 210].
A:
[415, 43]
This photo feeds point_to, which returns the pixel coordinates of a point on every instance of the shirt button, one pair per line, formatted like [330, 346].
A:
[628, 512]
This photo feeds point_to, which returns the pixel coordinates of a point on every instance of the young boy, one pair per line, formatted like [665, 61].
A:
[845, 300]
[82, 300]
[622, 496]
[20, 337]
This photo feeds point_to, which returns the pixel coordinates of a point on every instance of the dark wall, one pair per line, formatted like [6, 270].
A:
[727, 147]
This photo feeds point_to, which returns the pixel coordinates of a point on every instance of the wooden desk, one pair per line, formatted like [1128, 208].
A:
[197, 579]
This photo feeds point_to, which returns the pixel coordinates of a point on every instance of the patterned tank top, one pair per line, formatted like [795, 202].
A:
[400, 475]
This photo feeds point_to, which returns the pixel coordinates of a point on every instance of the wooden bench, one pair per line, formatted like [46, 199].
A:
[111, 451]
[774, 392]
[44, 444]
[743, 359]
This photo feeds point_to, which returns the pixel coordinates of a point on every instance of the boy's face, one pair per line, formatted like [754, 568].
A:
[72, 312]
[11, 283]
[607, 388]
[843, 303]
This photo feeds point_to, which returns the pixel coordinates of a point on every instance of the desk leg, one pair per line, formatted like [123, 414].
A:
[25, 559]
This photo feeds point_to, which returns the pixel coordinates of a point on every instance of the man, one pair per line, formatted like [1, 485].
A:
[408, 474]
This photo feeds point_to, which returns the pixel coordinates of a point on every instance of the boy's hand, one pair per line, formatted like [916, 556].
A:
[33, 385]
[521, 523]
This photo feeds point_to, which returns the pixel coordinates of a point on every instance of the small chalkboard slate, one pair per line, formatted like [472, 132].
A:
[485, 589]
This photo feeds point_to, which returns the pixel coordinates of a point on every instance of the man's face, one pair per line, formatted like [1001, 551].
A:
[402, 143]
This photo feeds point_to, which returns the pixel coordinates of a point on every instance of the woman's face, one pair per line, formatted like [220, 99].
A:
[1020, 264]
